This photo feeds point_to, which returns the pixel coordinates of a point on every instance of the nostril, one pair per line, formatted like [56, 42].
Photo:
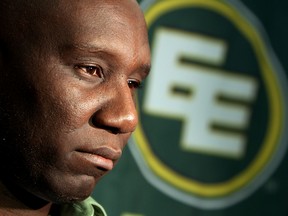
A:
[118, 115]
[97, 123]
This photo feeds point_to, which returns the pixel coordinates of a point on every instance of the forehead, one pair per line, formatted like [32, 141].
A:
[111, 24]
[100, 12]
[103, 16]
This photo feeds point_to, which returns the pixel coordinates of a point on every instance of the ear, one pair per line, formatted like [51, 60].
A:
[1, 90]
[3, 70]
[4, 57]
[2, 54]
[1, 60]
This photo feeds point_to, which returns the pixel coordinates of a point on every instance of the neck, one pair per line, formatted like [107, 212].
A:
[11, 204]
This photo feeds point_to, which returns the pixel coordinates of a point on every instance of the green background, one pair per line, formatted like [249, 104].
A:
[125, 190]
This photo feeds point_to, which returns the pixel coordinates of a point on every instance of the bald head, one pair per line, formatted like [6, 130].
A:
[30, 24]
[23, 20]
[15, 16]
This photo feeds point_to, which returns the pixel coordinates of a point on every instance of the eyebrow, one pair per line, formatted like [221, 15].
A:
[145, 68]
[86, 48]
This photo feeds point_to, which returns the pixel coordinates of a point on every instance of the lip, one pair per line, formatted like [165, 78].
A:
[103, 158]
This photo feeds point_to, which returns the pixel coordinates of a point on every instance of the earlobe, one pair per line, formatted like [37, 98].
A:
[2, 54]
[3, 68]
[1, 60]
[4, 58]
[3, 49]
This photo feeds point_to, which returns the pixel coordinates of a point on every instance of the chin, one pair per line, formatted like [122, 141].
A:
[69, 190]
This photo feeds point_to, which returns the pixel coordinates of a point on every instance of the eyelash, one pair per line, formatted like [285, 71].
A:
[93, 70]
[96, 70]
[134, 84]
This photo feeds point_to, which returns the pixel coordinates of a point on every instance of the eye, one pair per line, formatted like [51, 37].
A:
[93, 70]
[134, 84]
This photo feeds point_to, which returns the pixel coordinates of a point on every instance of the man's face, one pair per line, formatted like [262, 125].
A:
[67, 95]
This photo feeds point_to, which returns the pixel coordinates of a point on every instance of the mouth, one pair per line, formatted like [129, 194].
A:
[102, 158]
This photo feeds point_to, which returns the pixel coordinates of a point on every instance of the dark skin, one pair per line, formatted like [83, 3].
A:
[69, 71]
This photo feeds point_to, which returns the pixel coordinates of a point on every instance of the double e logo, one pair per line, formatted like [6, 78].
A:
[213, 111]
[202, 97]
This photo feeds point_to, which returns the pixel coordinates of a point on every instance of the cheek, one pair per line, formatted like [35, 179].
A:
[60, 112]
[61, 109]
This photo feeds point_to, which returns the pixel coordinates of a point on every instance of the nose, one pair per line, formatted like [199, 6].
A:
[118, 114]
